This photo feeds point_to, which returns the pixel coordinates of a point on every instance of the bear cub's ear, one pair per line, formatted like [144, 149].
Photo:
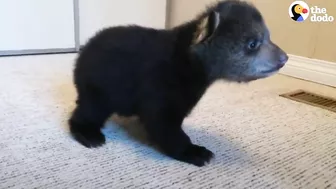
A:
[206, 27]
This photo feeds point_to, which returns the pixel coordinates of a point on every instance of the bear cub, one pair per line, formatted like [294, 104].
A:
[159, 75]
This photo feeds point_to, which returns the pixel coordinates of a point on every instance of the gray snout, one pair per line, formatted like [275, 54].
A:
[283, 58]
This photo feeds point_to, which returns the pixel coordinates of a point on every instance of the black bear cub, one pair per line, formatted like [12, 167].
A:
[160, 75]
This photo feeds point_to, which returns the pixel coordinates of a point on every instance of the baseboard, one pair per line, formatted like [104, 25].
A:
[318, 71]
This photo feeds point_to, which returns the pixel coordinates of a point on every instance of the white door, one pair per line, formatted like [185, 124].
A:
[36, 25]
[96, 15]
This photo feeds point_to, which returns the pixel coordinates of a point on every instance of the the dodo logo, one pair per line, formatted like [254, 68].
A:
[299, 11]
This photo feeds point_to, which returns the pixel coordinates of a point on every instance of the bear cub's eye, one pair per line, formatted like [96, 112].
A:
[253, 44]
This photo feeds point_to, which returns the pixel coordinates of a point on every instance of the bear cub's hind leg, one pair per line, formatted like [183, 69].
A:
[86, 122]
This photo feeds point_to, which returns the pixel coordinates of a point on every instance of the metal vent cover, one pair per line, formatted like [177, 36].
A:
[312, 99]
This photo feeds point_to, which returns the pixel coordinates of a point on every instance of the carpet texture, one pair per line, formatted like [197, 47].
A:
[260, 140]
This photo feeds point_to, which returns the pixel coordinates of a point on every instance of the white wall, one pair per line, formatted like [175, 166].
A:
[50, 24]
[183, 10]
[94, 15]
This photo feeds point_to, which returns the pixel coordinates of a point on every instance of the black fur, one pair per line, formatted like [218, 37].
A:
[159, 75]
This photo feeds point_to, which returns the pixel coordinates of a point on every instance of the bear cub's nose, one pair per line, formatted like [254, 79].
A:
[283, 58]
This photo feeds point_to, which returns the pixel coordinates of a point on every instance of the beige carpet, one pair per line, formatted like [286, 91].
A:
[260, 140]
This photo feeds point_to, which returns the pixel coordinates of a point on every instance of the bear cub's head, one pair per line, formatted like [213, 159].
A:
[233, 42]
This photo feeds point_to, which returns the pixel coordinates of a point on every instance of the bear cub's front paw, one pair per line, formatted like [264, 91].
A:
[196, 155]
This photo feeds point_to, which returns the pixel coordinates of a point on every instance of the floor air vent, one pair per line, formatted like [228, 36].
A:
[312, 99]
